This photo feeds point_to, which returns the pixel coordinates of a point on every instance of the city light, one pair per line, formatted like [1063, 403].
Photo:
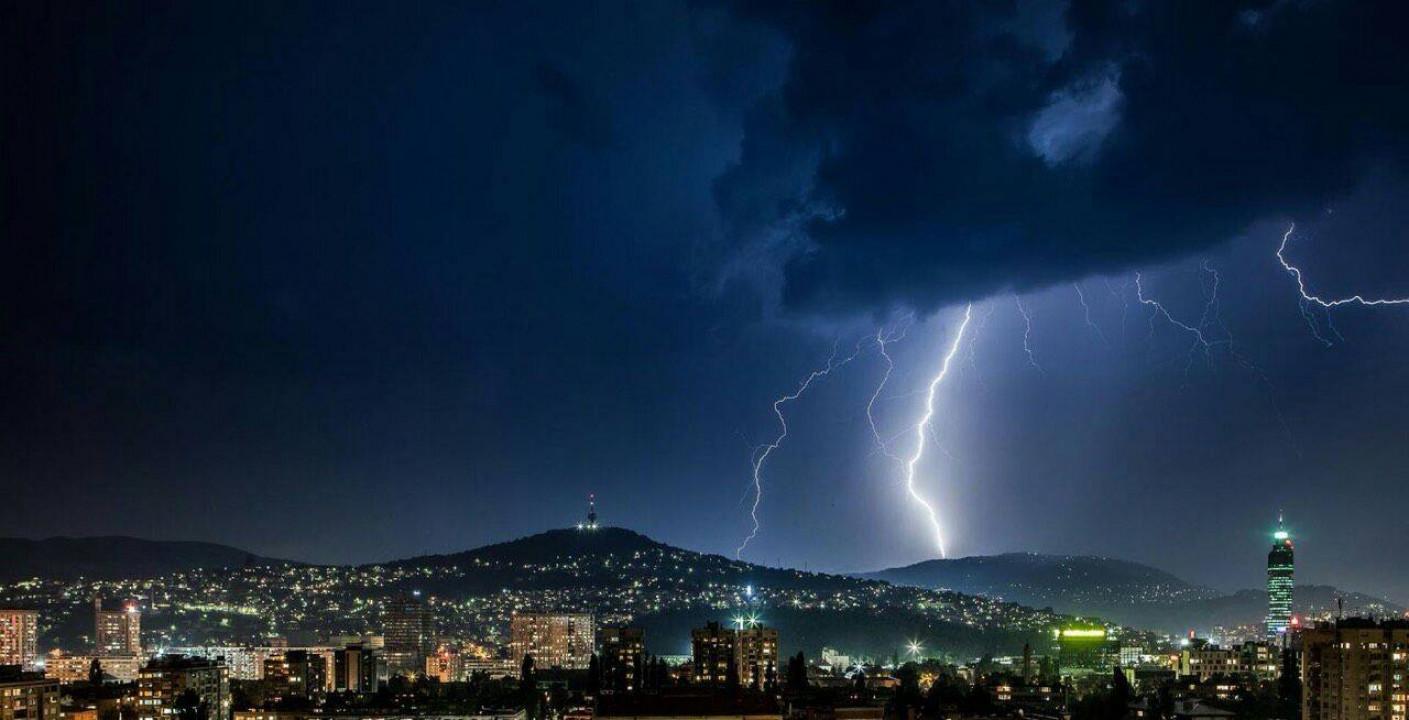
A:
[1083, 632]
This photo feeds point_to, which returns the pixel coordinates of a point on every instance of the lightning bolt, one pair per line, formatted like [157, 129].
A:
[1208, 345]
[1301, 285]
[923, 425]
[883, 338]
[1086, 309]
[761, 454]
[1200, 340]
[1307, 298]
[972, 354]
[1027, 334]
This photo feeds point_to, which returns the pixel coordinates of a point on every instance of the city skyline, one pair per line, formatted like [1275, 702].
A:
[348, 284]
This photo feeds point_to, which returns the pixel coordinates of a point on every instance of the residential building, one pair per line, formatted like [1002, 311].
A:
[27, 695]
[623, 658]
[19, 638]
[117, 632]
[1201, 660]
[298, 673]
[757, 660]
[714, 655]
[68, 669]
[177, 685]
[1354, 669]
[564, 640]
[445, 664]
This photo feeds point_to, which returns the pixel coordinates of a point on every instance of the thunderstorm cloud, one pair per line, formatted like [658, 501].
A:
[921, 153]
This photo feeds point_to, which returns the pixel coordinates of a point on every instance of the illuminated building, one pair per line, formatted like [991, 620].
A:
[623, 656]
[1202, 661]
[167, 683]
[495, 667]
[357, 669]
[757, 659]
[19, 638]
[1354, 670]
[445, 665]
[74, 668]
[1254, 660]
[1279, 582]
[409, 633]
[243, 662]
[835, 659]
[1084, 649]
[27, 695]
[562, 640]
[1261, 660]
[298, 673]
[714, 654]
[117, 632]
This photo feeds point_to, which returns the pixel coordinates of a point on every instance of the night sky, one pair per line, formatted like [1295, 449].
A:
[345, 282]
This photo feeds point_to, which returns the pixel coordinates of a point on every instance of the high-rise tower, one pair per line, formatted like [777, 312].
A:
[117, 632]
[591, 512]
[409, 631]
[1279, 581]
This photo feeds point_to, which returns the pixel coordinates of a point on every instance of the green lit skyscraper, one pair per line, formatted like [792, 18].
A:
[1279, 582]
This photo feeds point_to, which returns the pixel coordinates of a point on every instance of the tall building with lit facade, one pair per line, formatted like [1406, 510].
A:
[357, 669]
[714, 654]
[623, 658]
[19, 638]
[409, 634]
[117, 632]
[28, 695]
[564, 640]
[1354, 670]
[757, 656]
[297, 673]
[1279, 582]
[164, 684]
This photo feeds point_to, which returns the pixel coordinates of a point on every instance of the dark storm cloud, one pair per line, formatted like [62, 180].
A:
[920, 153]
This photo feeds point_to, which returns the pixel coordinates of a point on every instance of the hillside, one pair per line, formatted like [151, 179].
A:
[115, 557]
[1080, 582]
[571, 558]
[619, 575]
[1126, 592]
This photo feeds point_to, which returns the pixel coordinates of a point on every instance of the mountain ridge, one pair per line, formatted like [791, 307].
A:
[1125, 591]
[116, 556]
[619, 575]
